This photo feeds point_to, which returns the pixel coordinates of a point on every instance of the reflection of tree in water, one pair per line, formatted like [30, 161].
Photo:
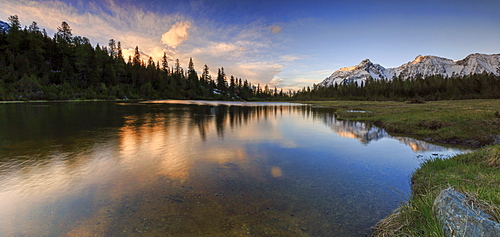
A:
[201, 118]
[220, 117]
[232, 116]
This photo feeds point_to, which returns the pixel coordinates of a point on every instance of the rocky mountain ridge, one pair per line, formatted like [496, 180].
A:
[421, 65]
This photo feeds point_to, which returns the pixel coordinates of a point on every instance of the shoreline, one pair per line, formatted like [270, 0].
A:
[474, 123]
[471, 123]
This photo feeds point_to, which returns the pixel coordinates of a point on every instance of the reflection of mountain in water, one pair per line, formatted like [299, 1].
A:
[419, 145]
[366, 133]
[361, 131]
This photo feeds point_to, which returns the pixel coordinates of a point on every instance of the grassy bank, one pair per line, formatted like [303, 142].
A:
[476, 174]
[468, 122]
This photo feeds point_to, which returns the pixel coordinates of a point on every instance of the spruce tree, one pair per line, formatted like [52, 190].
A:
[64, 34]
[113, 51]
[221, 81]
[136, 62]
[164, 63]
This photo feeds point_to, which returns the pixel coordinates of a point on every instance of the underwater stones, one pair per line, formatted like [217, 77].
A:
[462, 216]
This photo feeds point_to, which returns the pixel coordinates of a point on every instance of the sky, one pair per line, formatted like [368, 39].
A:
[284, 43]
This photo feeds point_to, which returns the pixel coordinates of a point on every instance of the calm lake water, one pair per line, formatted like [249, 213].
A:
[194, 168]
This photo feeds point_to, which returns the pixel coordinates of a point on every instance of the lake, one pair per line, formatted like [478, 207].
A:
[197, 168]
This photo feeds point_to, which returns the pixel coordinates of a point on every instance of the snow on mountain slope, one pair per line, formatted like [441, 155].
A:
[4, 27]
[358, 74]
[422, 65]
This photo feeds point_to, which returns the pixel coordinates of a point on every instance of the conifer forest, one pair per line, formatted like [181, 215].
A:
[35, 66]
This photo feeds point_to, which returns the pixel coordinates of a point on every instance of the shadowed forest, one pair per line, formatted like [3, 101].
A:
[437, 87]
[34, 66]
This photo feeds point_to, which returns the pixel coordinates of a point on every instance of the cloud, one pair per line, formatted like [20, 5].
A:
[245, 51]
[276, 80]
[257, 72]
[276, 29]
[289, 58]
[177, 34]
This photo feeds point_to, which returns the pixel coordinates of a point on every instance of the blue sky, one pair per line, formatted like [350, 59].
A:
[289, 44]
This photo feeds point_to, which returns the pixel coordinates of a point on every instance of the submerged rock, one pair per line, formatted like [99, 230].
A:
[461, 216]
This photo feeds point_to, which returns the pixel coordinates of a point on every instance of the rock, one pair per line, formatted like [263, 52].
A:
[461, 216]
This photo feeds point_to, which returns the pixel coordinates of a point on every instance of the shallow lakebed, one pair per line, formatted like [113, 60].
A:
[197, 168]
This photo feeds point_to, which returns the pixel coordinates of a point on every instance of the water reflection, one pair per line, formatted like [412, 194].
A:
[366, 133]
[195, 168]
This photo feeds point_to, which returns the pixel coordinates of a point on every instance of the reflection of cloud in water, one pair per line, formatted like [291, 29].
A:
[276, 172]
[223, 155]
[172, 143]
[106, 180]
[179, 138]
[146, 143]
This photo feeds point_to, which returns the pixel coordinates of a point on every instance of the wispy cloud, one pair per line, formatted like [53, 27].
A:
[245, 51]
[289, 58]
[276, 29]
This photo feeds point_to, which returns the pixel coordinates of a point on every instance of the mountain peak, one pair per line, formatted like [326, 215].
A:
[420, 66]
[418, 59]
[365, 62]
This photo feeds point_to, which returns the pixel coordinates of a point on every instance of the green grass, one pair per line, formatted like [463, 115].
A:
[473, 123]
[476, 174]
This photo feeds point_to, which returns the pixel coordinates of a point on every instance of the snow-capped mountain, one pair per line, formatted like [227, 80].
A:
[4, 27]
[422, 65]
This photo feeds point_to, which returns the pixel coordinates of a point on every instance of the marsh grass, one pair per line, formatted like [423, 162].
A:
[493, 156]
[468, 122]
[475, 174]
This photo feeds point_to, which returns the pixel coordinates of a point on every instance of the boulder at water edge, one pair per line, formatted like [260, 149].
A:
[461, 216]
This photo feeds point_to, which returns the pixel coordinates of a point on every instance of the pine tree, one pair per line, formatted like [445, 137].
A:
[120, 64]
[191, 67]
[119, 51]
[14, 37]
[113, 51]
[232, 86]
[136, 62]
[221, 81]
[194, 87]
[15, 24]
[205, 76]
[164, 63]
[151, 62]
[64, 34]
[178, 70]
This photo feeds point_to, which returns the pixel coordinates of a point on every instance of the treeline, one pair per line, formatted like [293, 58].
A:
[437, 87]
[34, 66]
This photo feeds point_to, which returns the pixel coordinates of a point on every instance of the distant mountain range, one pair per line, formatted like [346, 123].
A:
[422, 65]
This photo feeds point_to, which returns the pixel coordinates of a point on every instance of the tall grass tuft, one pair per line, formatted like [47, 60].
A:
[476, 174]
[493, 156]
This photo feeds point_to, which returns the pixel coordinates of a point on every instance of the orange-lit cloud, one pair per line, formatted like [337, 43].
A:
[177, 34]
[276, 172]
[245, 51]
[276, 29]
